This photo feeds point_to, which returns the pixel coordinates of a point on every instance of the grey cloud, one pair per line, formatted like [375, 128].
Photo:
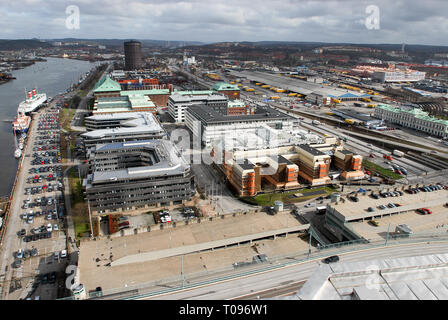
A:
[231, 20]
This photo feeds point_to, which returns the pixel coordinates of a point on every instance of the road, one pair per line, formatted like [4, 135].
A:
[277, 280]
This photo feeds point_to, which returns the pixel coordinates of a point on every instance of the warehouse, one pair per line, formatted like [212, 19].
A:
[137, 175]
[358, 117]
[314, 92]
[120, 127]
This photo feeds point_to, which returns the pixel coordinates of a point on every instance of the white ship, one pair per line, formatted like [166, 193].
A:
[32, 102]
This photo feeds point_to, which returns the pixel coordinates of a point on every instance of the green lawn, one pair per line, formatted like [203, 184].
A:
[80, 211]
[270, 198]
[380, 170]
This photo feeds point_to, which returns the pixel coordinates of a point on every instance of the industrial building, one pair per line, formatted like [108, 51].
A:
[214, 125]
[230, 90]
[137, 175]
[314, 92]
[413, 118]
[178, 103]
[121, 127]
[126, 103]
[133, 55]
[357, 117]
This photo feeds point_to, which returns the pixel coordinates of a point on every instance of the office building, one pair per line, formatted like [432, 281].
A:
[214, 125]
[179, 102]
[132, 176]
[133, 55]
[121, 127]
[125, 103]
[106, 88]
[413, 118]
[230, 90]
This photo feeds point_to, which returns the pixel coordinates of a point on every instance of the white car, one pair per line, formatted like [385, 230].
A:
[55, 227]
[19, 254]
[49, 227]
[63, 254]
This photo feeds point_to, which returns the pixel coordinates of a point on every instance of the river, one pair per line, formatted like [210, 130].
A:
[52, 77]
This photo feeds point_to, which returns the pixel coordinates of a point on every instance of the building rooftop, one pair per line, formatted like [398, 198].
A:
[347, 211]
[297, 85]
[106, 84]
[209, 116]
[194, 92]
[416, 112]
[132, 122]
[313, 151]
[410, 278]
[176, 97]
[168, 161]
[123, 103]
[222, 86]
[145, 92]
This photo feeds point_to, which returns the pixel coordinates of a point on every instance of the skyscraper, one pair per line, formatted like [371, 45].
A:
[132, 55]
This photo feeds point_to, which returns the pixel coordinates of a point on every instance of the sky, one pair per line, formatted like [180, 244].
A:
[352, 21]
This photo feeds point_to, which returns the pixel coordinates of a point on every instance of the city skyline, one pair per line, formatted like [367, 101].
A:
[347, 21]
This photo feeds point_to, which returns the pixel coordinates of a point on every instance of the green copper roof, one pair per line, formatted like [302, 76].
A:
[222, 86]
[416, 112]
[106, 84]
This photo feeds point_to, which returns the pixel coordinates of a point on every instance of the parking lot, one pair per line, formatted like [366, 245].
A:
[38, 252]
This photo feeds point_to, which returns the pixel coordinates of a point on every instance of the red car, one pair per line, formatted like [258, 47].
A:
[424, 211]
[124, 223]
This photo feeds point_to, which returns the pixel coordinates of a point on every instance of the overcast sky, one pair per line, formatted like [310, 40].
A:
[408, 21]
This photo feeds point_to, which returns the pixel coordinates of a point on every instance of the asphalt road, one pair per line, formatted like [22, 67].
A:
[276, 279]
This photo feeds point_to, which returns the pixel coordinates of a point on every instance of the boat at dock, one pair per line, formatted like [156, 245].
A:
[17, 151]
[33, 101]
[21, 123]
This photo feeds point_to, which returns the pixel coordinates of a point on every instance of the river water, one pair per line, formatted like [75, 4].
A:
[51, 77]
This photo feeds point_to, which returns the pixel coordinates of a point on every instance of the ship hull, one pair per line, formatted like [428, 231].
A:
[30, 105]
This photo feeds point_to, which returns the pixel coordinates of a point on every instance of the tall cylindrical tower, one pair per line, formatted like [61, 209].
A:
[132, 55]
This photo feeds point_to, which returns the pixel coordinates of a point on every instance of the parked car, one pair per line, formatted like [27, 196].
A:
[374, 223]
[331, 259]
